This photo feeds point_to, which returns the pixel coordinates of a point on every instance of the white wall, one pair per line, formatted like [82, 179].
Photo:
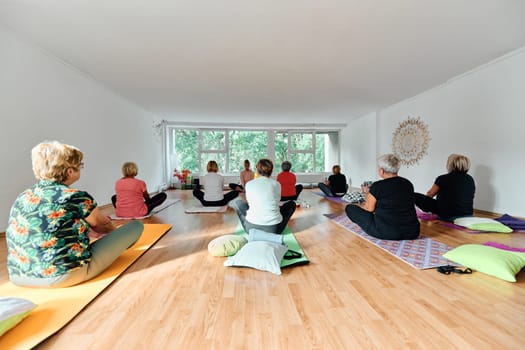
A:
[358, 150]
[481, 115]
[44, 99]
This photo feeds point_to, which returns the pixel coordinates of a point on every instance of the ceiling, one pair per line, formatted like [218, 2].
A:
[339, 59]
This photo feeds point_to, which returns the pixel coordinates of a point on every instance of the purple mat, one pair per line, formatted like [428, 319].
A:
[333, 199]
[512, 222]
[422, 253]
[504, 247]
[425, 216]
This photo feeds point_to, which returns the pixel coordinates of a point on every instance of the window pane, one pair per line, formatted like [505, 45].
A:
[213, 140]
[220, 158]
[302, 141]
[302, 162]
[251, 145]
[320, 152]
[326, 150]
[186, 150]
[281, 148]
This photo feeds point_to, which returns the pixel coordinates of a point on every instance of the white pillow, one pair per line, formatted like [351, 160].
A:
[260, 255]
[260, 235]
[482, 224]
[13, 311]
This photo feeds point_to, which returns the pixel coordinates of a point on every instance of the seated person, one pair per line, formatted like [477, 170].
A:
[388, 211]
[246, 175]
[47, 234]
[335, 185]
[213, 185]
[454, 191]
[289, 189]
[263, 194]
[132, 198]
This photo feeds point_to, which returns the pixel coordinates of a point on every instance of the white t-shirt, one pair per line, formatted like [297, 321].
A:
[213, 184]
[263, 195]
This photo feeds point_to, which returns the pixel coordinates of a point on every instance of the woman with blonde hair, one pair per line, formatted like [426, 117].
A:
[47, 233]
[132, 199]
[454, 191]
[213, 184]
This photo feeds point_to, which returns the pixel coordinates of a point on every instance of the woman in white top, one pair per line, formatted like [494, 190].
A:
[263, 194]
[213, 185]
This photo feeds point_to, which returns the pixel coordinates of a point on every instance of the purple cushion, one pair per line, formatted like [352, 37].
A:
[512, 222]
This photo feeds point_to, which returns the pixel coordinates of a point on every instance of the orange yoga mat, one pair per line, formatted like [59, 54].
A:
[57, 307]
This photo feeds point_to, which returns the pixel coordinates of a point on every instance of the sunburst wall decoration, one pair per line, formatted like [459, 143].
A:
[410, 141]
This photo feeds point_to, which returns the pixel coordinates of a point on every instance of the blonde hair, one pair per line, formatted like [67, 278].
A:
[212, 166]
[130, 169]
[52, 159]
[458, 163]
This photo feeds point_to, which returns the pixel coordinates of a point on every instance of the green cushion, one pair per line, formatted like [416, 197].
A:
[482, 224]
[496, 262]
[12, 311]
[226, 245]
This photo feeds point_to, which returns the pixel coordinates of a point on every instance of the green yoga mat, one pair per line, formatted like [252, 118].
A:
[290, 241]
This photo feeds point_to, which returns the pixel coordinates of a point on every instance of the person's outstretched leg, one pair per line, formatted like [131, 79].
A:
[230, 195]
[199, 195]
[155, 201]
[326, 190]
[287, 210]
[426, 203]
[240, 207]
[363, 218]
[298, 190]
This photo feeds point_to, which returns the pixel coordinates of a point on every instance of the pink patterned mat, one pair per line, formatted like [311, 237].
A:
[422, 253]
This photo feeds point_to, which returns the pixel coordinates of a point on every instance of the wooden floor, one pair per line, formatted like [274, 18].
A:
[352, 295]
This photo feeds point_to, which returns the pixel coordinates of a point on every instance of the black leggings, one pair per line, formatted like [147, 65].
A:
[298, 190]
[227, 197]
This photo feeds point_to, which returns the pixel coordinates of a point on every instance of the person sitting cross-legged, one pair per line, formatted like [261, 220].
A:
[389, 210]
[261, 209]
[213, 184]
[290, 190]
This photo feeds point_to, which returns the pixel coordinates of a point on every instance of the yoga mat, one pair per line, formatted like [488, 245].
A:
[167, 203]
[333, 199]
[288, 239]
[421, 215]
[56, 307]
[200, 209]
[421, 253]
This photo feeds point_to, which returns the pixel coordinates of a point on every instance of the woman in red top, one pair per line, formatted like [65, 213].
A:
[132, 198]
[289, 189]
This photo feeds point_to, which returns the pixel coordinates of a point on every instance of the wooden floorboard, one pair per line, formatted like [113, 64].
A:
[352, 295]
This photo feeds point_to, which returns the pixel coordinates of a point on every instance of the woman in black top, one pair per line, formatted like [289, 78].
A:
[454, 191]
[335, 185]
[389, 211]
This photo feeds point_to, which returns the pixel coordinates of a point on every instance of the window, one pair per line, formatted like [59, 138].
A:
[309, 151]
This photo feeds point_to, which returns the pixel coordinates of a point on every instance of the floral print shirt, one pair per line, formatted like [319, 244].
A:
[47, 234]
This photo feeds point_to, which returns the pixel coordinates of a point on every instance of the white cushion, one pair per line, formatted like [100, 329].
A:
[260, 255]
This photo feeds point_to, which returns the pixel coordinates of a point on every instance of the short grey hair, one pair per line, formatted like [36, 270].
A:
[389, 163]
